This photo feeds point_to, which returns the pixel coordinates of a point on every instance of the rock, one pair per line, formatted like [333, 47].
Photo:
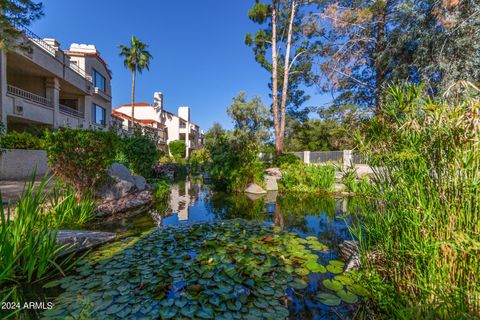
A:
[275, 172]
[254, 196]
[78, 240]
[121, 172]
[254, 188]
[350, 252]
[115, 188]
[128, 206]
[271, 183]
[140, 182]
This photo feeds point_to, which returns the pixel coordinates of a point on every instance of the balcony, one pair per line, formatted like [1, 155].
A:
[29, 96]
[71, 111]
[52, 51]
[102, 94]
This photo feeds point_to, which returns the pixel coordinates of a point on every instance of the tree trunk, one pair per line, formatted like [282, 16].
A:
[381, 20]
[133, 98]
[276, 124]
[286, 71]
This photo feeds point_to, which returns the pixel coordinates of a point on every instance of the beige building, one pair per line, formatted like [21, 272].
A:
[49, 87]
[179, 126]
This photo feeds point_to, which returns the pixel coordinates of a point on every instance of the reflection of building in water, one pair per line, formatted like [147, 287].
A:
[182, 195]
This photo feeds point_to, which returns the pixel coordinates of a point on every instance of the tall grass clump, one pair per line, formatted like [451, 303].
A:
[67, 211]
[27, 239]
[421, 238]
[302, 177]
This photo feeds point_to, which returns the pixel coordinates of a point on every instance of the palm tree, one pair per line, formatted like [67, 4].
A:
[136, 58]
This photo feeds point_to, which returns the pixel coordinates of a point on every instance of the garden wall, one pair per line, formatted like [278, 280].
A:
[18, 164]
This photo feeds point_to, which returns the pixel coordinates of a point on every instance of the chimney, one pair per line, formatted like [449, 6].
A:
[184, 112]
[158, 100]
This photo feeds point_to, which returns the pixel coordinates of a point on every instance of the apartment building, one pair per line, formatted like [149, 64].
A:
[46, 86]
[178, 126]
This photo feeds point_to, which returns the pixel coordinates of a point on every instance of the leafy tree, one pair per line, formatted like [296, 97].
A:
[178, 149]
[14, 14]
[291, 57]
[136, 59]
[250, 116]
[369, 44]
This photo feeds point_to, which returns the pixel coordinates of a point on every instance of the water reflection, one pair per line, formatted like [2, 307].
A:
[193, 201]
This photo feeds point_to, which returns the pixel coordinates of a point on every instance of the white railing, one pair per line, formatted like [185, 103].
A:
[28, 96]
[80, 71]
[71, 111]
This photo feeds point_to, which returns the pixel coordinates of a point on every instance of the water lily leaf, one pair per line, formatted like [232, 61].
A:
[188, 311]
[298, 284]
[180, 303]
[347, 296]
[337, 263]
[205, 314]
[334, 269]
[168, 312]
[328, 299]
[262, 304]
[332, 284]
[315, 267]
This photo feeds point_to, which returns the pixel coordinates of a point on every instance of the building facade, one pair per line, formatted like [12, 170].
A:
[178, 126]
[45, 86]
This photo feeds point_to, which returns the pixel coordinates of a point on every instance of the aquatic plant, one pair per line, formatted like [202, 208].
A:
[27, 240]
[302, 177]
[422, 237]
[67, 211]
[225, 270]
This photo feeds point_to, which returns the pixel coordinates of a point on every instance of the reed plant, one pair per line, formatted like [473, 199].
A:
[421, 237]
[27, 239]
[301, 177]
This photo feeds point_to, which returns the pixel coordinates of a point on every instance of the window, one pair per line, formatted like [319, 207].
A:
[98, 80]
[183, 124]
[98, 114]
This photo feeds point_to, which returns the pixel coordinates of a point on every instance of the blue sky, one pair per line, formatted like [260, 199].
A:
[200, 59]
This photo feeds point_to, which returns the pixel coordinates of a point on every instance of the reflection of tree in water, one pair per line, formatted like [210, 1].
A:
[231, 206]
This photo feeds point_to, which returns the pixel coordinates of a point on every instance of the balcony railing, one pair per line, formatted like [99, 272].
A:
[35, 39]
[29, 96]
[49, 49]
[71, 111]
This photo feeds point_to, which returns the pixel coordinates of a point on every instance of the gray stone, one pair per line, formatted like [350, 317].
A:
[78, 240]
[115, 188]
[339, 187]
[254, 188]
[140, 182]
[121, 172]
[350, 252]
[127, 206]
[271, 183]
[274, 172]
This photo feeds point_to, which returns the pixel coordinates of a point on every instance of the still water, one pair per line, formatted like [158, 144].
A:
[192, 201]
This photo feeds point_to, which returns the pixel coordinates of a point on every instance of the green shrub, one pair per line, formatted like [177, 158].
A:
[234, 161]
[139, 153]
[21, 140]
[80, 157]
[178, 149]
[161, 196]
[307, 178]
[197, 160]
[287, 158]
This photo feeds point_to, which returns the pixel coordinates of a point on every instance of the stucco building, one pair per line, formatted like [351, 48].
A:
[46, 86]
[178, 126]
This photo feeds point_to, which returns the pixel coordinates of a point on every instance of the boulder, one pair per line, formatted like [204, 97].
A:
[121, 172]
[114, 188]
[275, 172]
[127, 206]
[78, 240]
[271, 183]
[140, 182]
[350, 252]
[254, 188]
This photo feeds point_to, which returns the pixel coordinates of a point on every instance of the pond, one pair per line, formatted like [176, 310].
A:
[214, 255]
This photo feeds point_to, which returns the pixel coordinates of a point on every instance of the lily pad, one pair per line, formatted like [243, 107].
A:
[332, 284]
[347, 296]
[328, 299]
